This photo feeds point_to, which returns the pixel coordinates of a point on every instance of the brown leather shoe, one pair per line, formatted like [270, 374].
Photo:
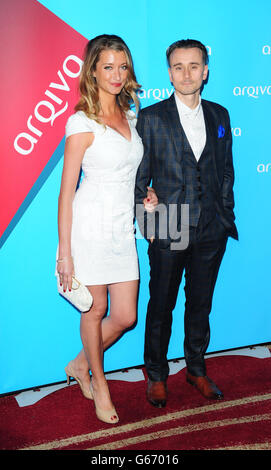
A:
[205, 386]
[157, 393]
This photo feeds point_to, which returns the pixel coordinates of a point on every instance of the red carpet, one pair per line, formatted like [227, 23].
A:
[65, 420]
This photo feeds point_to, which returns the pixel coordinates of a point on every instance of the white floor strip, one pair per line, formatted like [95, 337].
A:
[30, 397]
[33, 396]
[260, 352]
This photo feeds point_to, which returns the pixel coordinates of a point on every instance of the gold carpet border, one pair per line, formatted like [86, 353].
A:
[256, 446]
[180, 430]
[73, 440]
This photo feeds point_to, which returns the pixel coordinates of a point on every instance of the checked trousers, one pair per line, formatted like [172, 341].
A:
[200, 262]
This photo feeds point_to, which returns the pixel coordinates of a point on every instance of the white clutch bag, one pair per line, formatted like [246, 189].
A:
[79, 296]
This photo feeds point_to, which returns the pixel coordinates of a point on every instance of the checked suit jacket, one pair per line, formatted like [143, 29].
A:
[162, 164]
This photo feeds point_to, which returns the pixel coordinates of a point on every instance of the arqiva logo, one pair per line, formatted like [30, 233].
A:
[40, 79]
[39, 115]
[252, 91]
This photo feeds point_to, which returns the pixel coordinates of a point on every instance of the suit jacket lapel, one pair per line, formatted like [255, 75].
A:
[175, 126]
[211, 126]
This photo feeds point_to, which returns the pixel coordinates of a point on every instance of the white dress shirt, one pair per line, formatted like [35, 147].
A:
[193, 124]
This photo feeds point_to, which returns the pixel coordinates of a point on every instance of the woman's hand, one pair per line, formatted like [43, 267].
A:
[65, 270]
[151, 201]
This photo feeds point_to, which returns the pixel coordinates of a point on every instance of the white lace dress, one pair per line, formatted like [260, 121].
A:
[102, 239]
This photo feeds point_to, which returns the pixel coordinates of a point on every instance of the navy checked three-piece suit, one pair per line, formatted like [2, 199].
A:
[206, 185]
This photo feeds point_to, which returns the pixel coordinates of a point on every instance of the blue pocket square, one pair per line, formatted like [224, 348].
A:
[221, 132]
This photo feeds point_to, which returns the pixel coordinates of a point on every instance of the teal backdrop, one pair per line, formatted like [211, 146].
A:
[39, 331]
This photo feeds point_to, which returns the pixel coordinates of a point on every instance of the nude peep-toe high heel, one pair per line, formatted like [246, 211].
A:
[87, 392]
[107, 416]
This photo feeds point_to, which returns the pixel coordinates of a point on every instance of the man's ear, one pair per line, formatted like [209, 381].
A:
[205, 72]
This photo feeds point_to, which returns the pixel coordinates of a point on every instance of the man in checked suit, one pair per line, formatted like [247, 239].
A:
[188, 158]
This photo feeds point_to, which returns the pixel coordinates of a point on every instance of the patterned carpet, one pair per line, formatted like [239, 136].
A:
[62, 419]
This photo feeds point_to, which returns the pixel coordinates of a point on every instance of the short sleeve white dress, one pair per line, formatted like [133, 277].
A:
[103, 235]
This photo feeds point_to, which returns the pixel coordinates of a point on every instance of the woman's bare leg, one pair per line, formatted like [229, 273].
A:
[91, 357]
[97, 334]
[123, 311]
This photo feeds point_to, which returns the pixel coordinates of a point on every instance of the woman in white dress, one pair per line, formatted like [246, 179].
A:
[96, 232]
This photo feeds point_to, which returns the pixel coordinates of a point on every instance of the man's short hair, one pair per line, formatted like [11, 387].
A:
[186, 44]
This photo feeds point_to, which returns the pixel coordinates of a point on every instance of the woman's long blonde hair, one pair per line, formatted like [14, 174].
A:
[89, 96]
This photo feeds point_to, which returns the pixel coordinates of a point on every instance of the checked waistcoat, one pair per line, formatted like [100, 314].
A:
[199, 183]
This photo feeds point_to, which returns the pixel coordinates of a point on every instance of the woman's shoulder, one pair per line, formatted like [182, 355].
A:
[79, 122]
